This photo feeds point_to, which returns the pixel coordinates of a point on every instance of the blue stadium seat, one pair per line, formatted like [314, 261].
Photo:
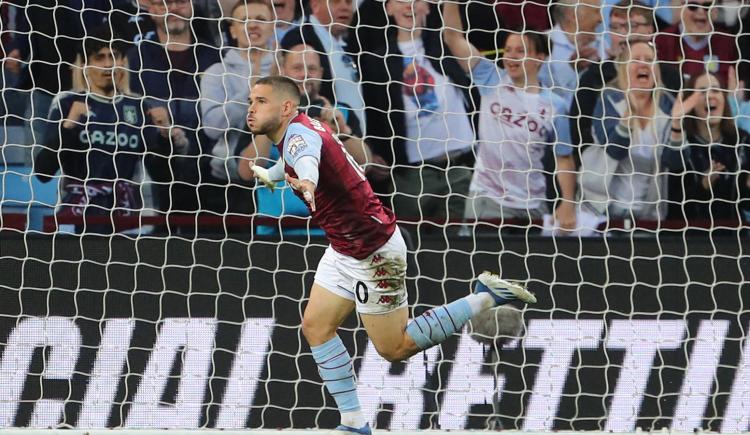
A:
[20, 192]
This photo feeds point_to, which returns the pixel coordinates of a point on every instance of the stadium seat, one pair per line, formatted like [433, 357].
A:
[20, 192]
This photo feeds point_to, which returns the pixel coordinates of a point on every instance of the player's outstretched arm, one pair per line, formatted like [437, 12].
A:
[269, 177]
[454, 36]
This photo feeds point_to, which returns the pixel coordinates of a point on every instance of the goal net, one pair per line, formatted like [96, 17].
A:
[595, 150]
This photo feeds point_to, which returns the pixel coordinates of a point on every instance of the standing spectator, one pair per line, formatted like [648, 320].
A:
[48, 39]
[130, 20]
[286, 17]
[623, 175]
[303, 65]
[696, 45]
[11, 111]
[416, 94]
[737, 21]
[575, 45]
[630, 20]
[519, 121]
[716, 182]
[168, 71]
[664, 13]
[524, 14]
[224, 91]
[100, 137]
[326, 30]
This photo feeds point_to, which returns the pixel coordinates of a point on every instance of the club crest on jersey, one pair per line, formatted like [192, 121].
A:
[295, 145]
[129, 114]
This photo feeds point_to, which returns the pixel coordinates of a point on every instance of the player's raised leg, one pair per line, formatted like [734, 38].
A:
[397, 339]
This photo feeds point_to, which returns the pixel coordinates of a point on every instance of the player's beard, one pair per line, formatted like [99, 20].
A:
[266, 127]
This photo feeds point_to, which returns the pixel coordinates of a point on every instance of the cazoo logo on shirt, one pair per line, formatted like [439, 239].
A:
[532, 123]
[110, 138]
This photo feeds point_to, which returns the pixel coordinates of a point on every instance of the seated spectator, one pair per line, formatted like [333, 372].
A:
[302, 64]
[224, 91]
[99, 136]
[518, 122]
[623, 175]
[575, 42]
[630, 20]
[326, 30]
[716, 183]
[416, 94]
[696, 45]
[168, 71]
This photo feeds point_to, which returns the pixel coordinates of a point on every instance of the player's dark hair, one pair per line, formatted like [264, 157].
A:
[282, 84]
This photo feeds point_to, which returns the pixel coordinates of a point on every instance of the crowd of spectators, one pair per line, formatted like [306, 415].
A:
[572, 113]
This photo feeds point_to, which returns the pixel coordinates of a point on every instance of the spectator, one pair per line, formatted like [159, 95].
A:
[302, 64]
[575, 45]
[169, 70]
[738, 102]
[286, 17]
[224, 91]
[524, 14]
[11, 112]
[130, 20]
[716, 182]
[518, 122]
[664, 13]
[416, 94]
[100, 136]
[696, 45]
[326, 31]
[623, 175]
[632, 20]
[737, 21]
[48, 39]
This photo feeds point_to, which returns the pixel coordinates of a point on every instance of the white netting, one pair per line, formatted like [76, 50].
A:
[599, 152]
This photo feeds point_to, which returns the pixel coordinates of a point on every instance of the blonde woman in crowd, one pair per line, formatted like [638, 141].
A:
[624, 174]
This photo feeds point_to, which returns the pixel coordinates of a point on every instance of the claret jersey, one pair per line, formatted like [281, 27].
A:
[353, 218]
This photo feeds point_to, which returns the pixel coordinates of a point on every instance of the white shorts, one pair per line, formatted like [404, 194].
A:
[376, 284]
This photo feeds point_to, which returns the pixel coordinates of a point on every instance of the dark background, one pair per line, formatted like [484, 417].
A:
[97, 278]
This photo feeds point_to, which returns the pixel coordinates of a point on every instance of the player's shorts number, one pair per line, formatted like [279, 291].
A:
[360, 290]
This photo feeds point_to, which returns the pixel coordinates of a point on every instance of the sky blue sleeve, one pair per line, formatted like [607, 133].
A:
[486, 75]
[741, 112]
[301, 141]
[561, 136]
